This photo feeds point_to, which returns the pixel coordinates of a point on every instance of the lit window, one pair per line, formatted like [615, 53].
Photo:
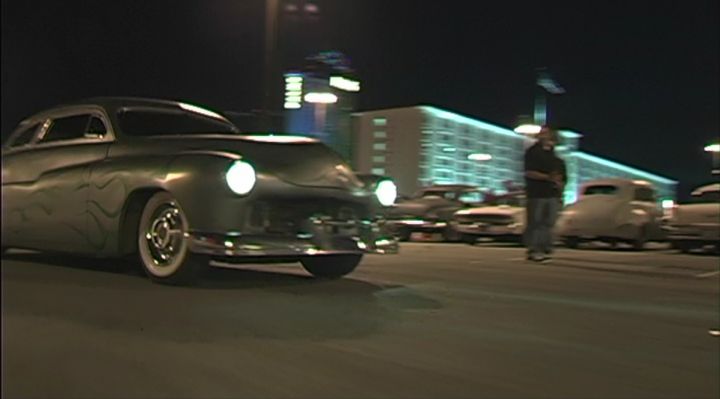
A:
[379, 121]
[379, 159]
[380, 135]
[380, 146]
[378, 171]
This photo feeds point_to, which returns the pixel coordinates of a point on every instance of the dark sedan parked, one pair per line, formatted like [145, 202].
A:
[179, 186]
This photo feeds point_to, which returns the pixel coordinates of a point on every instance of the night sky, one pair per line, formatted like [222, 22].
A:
[641, 76]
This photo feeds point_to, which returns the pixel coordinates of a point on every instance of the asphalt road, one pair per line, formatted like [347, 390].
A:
[435, 321]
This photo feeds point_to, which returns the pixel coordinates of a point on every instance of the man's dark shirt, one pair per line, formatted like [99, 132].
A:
[543, 161]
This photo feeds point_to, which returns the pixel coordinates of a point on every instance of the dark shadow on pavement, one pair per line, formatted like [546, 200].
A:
[226, 304]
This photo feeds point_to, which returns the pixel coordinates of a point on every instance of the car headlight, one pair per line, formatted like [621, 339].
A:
[386, 192]
[240, 177]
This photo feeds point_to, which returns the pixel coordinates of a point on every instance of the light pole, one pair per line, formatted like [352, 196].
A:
[271, 12]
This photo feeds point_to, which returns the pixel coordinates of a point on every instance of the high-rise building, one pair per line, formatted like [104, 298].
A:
[319, 101]
[422, 145]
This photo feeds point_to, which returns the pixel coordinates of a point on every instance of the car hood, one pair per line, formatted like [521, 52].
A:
[299, 161]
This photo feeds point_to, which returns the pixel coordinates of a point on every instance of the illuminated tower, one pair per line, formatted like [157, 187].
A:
[319, 101]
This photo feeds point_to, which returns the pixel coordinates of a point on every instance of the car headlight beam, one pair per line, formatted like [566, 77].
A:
[386, 192]
[241, 177]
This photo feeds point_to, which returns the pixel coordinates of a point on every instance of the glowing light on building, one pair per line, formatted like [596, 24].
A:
[479, 157]
[321, 98]
[293, 92]
[344, 83]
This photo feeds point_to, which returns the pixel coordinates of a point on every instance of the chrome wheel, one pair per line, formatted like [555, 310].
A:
[164, 239]
[162, 246]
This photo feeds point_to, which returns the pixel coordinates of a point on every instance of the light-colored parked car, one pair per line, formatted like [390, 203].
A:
[696, 224]
[501, 218]
[613, 210]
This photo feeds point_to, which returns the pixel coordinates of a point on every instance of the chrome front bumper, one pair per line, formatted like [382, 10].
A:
[324, 238]
[416, 225]
[488, 230]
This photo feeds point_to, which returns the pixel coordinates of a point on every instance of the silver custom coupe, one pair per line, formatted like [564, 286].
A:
[178, 185]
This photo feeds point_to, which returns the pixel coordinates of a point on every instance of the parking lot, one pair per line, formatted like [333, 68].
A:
[436, 320]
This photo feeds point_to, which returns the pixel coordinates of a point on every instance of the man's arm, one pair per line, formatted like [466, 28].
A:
[531, 169]
[535, 175]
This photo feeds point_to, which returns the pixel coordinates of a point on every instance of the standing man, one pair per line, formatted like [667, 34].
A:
[544, 182]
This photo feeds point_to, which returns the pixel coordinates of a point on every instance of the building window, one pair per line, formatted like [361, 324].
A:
[378, 171]
[379, 159]
[379, 121]
[380, 135]
[380, 146]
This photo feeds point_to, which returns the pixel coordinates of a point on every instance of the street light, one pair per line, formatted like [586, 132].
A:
[528, 128]
[712, 148]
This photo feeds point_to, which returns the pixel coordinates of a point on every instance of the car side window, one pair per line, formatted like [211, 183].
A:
[96, 128]
[25, 136]
[644, 194]
[66, 128]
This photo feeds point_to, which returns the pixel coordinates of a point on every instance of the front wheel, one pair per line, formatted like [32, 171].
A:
[162, 246]
[331, 266]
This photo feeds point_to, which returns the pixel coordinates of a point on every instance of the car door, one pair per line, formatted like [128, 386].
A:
[47, 183]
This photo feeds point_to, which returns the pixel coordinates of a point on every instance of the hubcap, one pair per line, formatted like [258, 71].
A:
[164, 235]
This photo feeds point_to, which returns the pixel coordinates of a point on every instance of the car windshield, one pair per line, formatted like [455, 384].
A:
[152, 122]
[601, 190]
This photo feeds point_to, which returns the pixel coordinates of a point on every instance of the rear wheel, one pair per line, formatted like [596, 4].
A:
[451, 235]
[572, 242]
[682, 246]
[639, 242]
[468, 239]
[331, 266]
[162, 246]
[404, 234]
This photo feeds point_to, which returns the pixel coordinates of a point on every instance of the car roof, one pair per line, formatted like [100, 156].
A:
[112, 104]
[706, 189]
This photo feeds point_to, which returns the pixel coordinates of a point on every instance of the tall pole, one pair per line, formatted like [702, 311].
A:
[271, 13]
[540, 114]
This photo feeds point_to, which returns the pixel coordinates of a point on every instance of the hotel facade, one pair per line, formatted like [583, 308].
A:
[422, 145]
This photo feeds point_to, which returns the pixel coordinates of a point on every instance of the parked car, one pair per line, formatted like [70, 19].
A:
[430, 210]
[697, 224]
[501, 218]
[177, 185]
[612, 210]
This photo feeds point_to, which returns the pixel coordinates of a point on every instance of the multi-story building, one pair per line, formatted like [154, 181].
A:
[422, 145]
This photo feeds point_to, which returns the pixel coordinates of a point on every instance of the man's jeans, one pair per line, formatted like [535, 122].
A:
[540, 220]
